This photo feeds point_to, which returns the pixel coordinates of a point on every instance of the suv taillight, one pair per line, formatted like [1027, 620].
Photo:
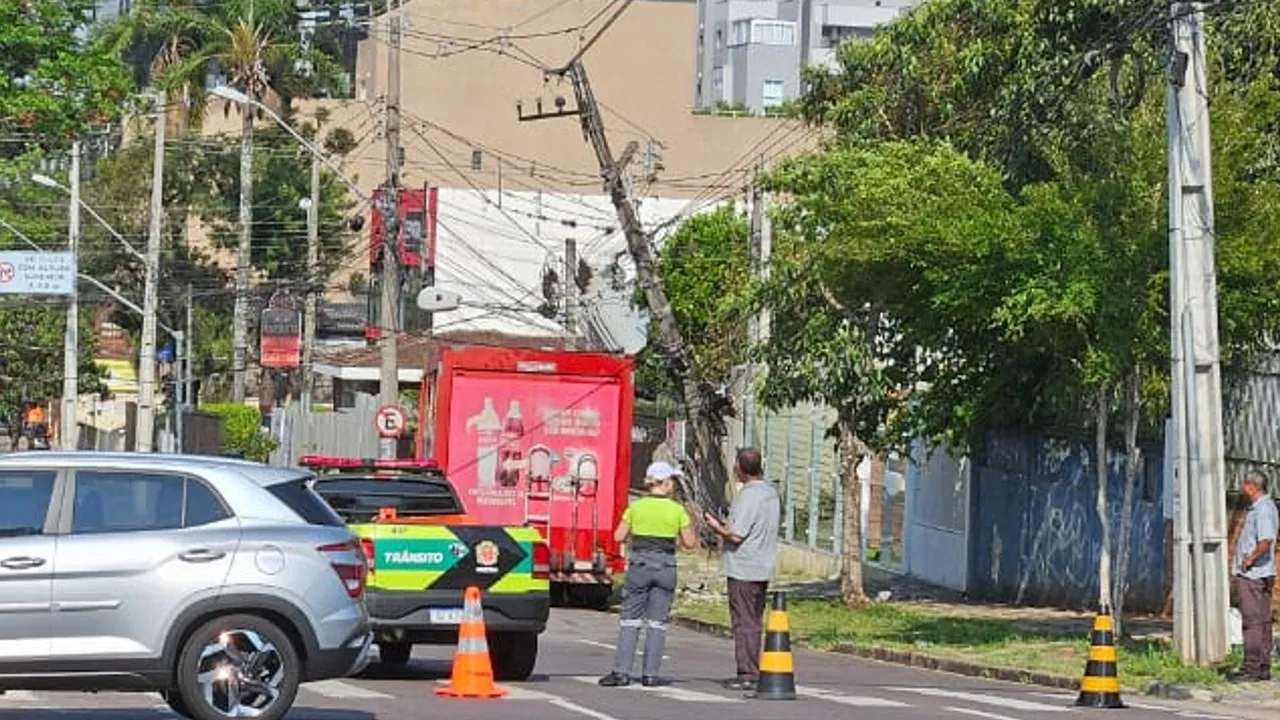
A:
[366, 545]
[351, 574]
[541, 561]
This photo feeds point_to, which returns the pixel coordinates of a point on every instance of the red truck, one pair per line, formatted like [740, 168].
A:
[540, 438]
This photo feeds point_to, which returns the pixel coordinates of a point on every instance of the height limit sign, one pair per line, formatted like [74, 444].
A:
[389, 421]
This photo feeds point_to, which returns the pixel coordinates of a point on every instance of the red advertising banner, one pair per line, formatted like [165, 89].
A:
[509, 429]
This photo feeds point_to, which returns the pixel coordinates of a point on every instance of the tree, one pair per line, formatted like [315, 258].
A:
[705, 271]
[865, 241]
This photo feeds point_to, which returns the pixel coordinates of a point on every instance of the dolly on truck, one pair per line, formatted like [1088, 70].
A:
[423, 550]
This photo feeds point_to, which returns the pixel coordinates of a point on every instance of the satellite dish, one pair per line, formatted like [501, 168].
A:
[435, 300]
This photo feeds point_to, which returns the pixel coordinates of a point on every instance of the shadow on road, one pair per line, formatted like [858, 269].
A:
[414, 670]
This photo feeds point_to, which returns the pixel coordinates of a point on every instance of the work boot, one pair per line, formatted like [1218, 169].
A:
[740, 683]
[615, 679]
[650, 681]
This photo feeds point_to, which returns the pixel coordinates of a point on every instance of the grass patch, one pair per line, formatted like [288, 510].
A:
[823, 625]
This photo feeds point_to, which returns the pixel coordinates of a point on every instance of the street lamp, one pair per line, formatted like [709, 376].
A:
[146, 351]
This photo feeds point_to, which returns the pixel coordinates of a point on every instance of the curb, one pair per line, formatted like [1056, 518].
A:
[926, 661]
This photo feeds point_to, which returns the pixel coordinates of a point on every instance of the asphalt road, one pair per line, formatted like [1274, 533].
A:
[577, 648]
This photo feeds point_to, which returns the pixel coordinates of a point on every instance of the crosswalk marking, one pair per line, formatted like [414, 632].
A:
[979, 713]
[669, 692]
[999, 701]
[19, 696]
[339, 690]
[850, 700]
[613, 648]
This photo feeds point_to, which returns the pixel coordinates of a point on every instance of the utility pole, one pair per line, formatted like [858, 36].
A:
[701, 405]
[147, 350]
[389, 375]
[571, 292]
[189, 390]
[69, 424]
[761, 247]
[1200, 538]
[244, 260]
[313, 291]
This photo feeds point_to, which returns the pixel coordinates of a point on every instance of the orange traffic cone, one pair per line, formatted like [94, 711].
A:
[472, 672]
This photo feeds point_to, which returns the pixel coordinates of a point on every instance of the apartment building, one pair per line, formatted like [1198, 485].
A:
[748, 53]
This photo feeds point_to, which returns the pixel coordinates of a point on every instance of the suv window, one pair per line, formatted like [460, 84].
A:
[24, 501]
[304, 501]
[118, 501]
[358, 499]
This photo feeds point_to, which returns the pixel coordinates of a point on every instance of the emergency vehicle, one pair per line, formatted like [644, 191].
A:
[539, 438]
[424, 549]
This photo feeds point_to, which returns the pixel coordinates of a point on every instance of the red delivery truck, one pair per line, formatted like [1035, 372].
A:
[541, 438]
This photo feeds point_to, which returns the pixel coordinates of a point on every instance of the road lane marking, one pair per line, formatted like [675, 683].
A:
[613, 648]
[19, 696]
[1005, 702]
[519, 693]
[667, 691]
[851, 700]
[338, 690]
[979, 713]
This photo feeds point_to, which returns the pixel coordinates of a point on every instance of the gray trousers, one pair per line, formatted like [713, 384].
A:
[646, 602]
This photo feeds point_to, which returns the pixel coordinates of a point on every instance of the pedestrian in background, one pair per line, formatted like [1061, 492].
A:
[748, 557]
[654, 523]
[1253, 571]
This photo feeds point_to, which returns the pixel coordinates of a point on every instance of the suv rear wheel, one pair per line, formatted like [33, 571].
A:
[514, 655]
[238, 666]
[394, 653]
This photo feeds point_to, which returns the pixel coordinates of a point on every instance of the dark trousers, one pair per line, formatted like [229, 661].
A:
[1255, 617]
[746, 610]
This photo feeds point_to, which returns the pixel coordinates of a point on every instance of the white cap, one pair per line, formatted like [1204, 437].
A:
[662, 471]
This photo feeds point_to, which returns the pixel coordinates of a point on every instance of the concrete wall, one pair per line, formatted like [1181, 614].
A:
[1035, 537]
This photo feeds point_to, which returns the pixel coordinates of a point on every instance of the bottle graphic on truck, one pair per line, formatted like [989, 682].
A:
[488, 427]
[512, 433]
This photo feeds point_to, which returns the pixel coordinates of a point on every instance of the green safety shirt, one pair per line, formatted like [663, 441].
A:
[655, 523]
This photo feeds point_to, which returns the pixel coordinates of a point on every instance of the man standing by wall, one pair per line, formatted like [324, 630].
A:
[748, 556]
[1253, 571]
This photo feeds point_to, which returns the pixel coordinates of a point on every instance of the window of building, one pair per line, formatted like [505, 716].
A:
[773, 32]
[719, 38]
[741, 32]
[772, 95]
[717, 80]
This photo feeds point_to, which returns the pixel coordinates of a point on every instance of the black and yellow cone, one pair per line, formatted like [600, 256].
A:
[1100, 687]
[777, 679]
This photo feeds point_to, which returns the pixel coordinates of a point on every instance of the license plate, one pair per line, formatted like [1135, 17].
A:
[446, 616]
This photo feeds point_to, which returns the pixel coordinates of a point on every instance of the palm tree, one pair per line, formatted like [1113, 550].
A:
[252, 43]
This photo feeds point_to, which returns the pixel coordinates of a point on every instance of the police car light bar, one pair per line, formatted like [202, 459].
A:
[342, 463]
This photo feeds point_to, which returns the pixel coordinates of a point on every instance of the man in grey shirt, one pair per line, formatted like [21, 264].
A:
[748, 556]
[1253, 570]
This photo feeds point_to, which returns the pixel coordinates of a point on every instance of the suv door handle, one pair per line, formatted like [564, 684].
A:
[21, 563]
[201, 555]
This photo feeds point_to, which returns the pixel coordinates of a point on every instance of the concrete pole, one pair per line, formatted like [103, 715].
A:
[313, 279]
[571, 292]
[69, 426]
[147, 346]
[389, 371]
[1200, 556]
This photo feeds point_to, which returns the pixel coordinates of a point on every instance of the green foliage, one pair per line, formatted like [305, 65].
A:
[282, 178]
[705, 266]
[51, 87]
[31, 367]
[242, 430]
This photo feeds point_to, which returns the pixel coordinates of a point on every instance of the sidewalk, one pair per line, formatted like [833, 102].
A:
[917, 624]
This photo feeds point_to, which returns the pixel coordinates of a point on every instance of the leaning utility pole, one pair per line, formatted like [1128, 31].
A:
[699, 402]
[570, 285]
[313, 281]
[389, 375]
[1200, 537]
[145, 431]
[68, 424]
[761, 248]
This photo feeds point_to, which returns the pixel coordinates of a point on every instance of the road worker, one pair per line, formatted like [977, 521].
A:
[655, 524]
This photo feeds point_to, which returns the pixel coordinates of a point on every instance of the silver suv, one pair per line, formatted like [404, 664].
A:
[221, 584]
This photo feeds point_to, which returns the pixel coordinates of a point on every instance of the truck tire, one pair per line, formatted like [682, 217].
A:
[514, 655]
[395, 653]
